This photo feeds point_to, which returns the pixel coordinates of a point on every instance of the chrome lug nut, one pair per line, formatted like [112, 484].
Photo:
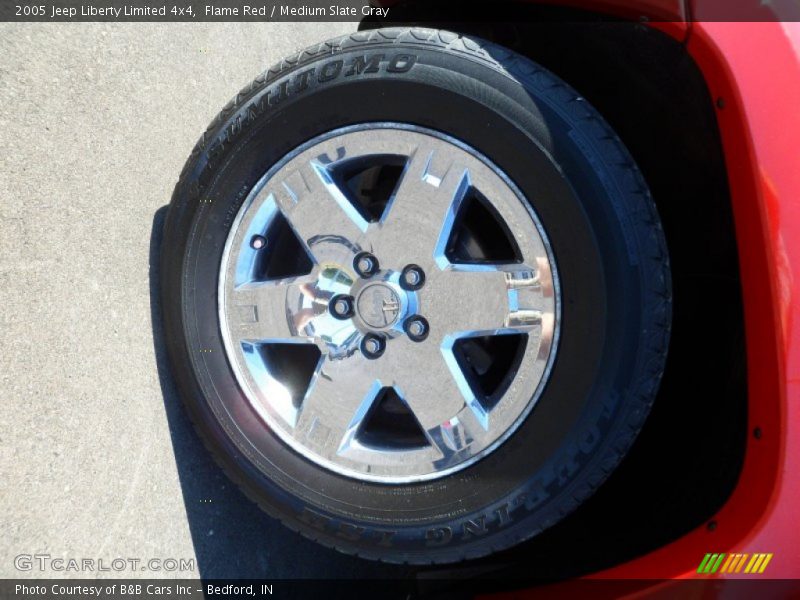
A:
[373, 345]
[416, 328]
[342, 306]
[412, 277]
[365, 264]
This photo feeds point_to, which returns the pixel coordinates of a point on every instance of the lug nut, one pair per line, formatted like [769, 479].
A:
[365, 264]
[342, 306]
[416, 328]
[373, 345]
[412, 277]
[257, 242]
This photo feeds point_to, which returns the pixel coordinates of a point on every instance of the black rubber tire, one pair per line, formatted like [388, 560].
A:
[608, 245]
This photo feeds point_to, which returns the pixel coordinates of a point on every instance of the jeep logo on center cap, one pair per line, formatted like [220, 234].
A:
[378, 305]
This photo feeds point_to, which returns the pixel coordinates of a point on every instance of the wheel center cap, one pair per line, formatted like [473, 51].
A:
[378, 305]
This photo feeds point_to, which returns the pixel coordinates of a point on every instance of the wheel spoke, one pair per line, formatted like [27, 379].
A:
[426, 383]
[472, 302]
[420, 374]
[423, 206]
[258, 311]
[318, 211]
[338, 398]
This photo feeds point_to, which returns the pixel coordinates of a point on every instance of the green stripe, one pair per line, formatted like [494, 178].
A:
[716, 564]
[703, 564]
[710, 562]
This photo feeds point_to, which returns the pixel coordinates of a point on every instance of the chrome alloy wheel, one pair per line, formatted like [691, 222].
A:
[386, 304]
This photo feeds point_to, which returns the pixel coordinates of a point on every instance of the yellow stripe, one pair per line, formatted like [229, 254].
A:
[741, 563]
[737, 563]
[758, 563]
[756, 558]
[765, 563]
[728, 561]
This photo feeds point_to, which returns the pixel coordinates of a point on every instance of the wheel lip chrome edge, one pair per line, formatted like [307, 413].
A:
[229, 344]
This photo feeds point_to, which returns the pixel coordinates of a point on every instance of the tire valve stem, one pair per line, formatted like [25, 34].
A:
[257, 242]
